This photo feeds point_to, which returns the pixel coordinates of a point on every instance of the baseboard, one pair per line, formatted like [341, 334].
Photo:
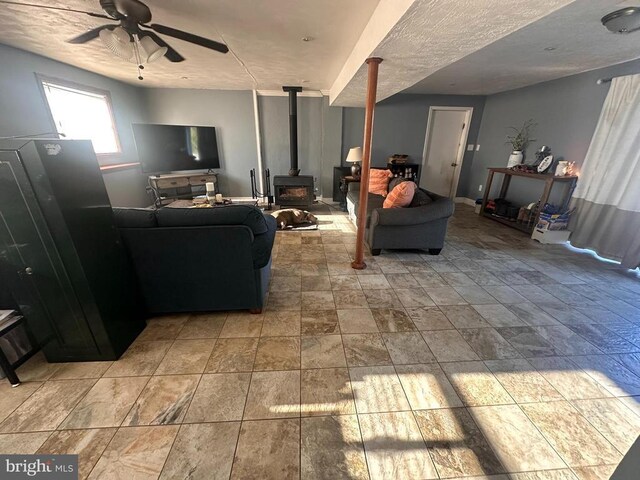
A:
[465, 200]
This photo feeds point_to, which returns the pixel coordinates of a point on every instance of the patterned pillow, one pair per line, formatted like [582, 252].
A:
[379, 181]
[400, 196]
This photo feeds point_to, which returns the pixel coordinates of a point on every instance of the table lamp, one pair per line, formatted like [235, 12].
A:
[355, 156]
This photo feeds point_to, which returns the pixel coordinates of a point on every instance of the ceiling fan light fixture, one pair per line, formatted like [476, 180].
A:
[118, 41]
[150, 50]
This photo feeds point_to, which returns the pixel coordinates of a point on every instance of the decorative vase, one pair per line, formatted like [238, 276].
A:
[515, 158]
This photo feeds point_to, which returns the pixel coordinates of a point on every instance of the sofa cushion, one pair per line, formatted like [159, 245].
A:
[247, 215]
[420, 198]
[379, 181]
[400, 196]
[135, 217]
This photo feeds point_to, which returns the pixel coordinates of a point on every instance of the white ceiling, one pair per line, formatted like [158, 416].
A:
[265, 35]
[581, 43]
[479, 46]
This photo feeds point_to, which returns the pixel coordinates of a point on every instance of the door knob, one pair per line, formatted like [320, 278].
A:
[28, 271]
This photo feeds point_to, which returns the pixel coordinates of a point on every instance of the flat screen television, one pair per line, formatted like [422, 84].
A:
[169, 148]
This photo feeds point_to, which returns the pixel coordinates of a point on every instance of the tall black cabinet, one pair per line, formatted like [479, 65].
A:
[60, 251]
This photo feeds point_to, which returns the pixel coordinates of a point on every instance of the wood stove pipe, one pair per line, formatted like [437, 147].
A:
[293, 128]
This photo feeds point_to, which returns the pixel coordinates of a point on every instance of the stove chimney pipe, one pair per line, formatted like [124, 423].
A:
[293, 128]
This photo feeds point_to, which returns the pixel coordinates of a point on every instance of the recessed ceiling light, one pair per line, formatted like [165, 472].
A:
[184, 78]
[307, 39]
[304, 81]
[549, 49]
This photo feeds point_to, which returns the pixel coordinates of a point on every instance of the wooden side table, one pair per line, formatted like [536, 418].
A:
[344, 188]
[549, 181]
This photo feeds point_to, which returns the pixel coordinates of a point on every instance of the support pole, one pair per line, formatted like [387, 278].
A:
[372, 85]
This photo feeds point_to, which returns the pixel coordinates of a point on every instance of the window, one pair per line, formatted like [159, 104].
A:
[82, 113]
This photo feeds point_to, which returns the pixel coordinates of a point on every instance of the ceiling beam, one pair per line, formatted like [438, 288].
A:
[419, 37]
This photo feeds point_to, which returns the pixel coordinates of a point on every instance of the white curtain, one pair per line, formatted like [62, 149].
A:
[607, 197]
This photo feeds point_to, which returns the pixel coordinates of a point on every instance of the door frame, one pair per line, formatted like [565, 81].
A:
[463, 143]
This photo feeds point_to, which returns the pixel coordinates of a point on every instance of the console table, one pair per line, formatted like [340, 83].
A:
[172, 187]
[549, 181]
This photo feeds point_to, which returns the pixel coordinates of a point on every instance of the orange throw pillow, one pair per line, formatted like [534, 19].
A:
[379, 181]
[400, 196]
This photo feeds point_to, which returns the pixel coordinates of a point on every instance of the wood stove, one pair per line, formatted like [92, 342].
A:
[294, 190]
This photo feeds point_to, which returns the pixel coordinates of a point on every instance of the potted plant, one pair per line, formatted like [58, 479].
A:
[519, 141]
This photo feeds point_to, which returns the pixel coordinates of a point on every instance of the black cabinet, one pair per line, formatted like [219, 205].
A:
[60, 251]
[406, 170]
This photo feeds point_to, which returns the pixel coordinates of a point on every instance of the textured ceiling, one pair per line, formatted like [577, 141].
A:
[265, 35]
[581, 43]
[431, 35]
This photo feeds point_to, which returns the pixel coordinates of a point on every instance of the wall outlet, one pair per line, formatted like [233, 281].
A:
[480, 188]
[477, 147]
[470, 147]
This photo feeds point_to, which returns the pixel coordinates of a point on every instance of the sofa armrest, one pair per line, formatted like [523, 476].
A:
[263, 243]
[440, 208]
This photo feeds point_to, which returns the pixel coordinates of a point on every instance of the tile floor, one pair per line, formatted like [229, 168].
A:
[499, 358]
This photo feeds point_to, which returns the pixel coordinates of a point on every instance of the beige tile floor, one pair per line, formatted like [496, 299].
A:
[498, 359]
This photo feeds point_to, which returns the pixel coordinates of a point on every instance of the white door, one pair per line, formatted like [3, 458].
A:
[447, 129]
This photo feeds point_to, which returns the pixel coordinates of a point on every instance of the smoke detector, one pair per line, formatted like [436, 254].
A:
[625, 20]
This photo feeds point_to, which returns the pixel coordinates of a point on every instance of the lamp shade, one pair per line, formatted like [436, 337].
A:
[152, 51]
[118, 41]
[354, 155]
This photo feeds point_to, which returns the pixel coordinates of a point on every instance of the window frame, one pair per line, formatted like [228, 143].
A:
[42, 79]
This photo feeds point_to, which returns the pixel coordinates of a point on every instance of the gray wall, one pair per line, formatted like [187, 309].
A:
[400, 126]
[319, 138]
[331, 145]
[23, 111]
[230, 111]
[274, 127]
[566, 110]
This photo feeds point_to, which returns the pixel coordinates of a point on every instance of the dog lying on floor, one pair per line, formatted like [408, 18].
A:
[293, 217]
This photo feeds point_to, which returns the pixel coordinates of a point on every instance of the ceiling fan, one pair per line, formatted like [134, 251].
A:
[133, 39]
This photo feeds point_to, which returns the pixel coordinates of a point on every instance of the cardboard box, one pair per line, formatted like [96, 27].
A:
[549, 237]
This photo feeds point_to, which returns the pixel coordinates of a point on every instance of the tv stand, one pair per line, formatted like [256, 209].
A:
[177, 186]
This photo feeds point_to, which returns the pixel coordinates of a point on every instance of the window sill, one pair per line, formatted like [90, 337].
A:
[114, 167]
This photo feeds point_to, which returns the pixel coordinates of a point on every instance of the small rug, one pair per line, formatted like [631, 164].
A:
[301, 227]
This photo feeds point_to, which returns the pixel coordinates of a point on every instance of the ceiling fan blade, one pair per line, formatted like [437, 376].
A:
[90, 35]
[171, 54]
[61, 9]
[134, 9]
[189, 37]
